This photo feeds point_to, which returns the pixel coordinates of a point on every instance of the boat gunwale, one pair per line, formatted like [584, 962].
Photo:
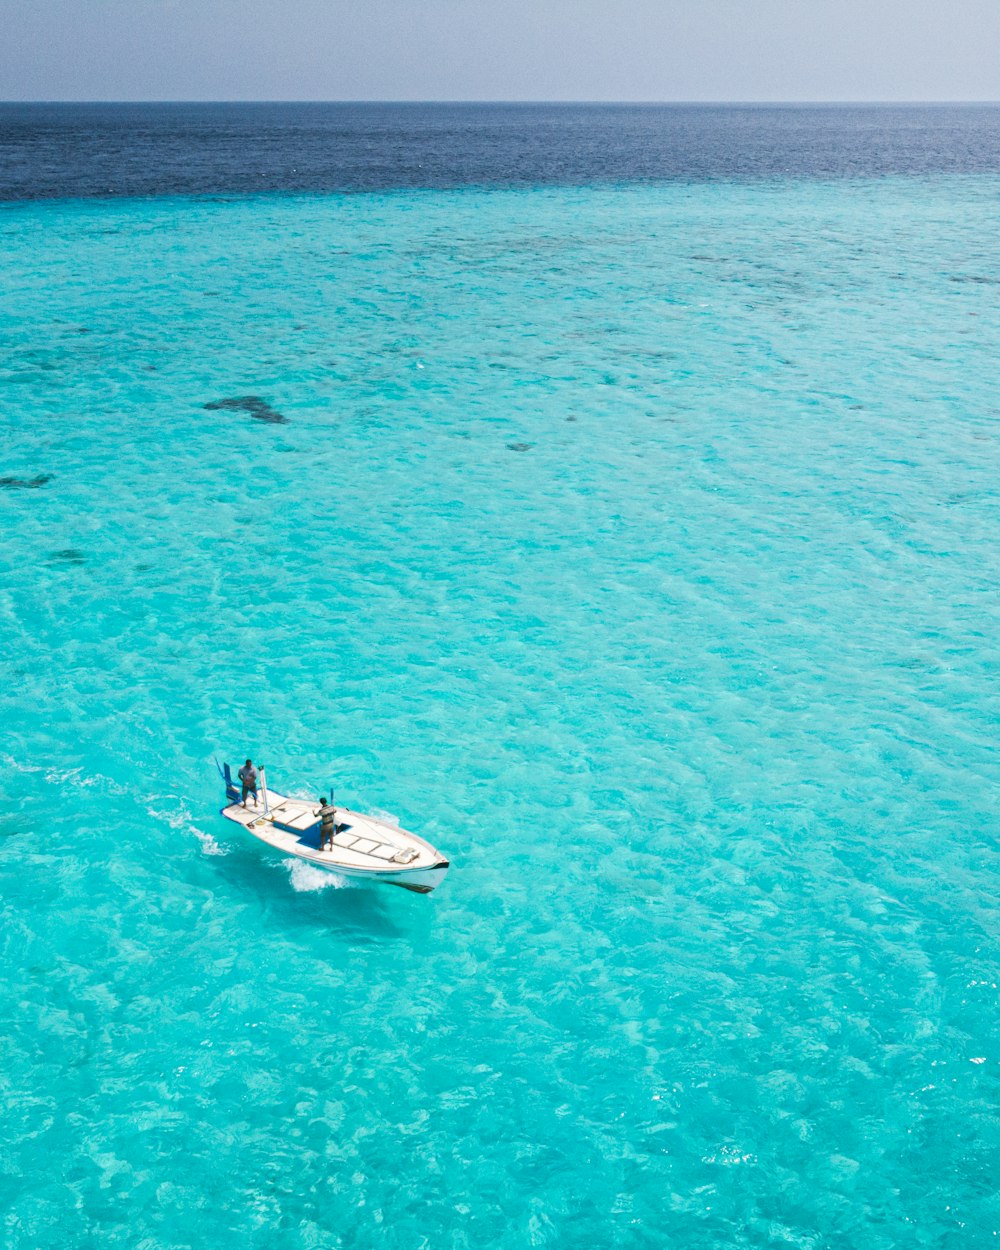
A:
[377, 868]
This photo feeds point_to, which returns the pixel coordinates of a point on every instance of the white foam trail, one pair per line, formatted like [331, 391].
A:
[208, 844]
[387, 818]
[180, 818]
[11, 765]
[306, 879]
[175, 817]
[77, 779]
[65, 776]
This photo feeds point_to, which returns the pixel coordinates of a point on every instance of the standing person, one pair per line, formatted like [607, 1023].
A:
[248, 775]
[328, 822]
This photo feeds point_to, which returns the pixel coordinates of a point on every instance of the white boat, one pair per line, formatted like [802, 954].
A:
[363, 846]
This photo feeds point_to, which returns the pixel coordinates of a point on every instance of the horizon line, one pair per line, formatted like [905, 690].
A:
[839, 103]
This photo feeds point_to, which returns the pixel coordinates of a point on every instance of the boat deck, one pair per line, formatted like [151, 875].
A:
[361, 843]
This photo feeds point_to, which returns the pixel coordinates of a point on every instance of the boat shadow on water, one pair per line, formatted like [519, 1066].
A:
[292, 895]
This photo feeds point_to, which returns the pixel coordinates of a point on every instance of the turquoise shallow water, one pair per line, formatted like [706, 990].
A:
[637, 546]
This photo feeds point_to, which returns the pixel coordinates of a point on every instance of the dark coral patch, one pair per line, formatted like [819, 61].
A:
[256, 407]
[68, 555]
[520, 446]
[25, 483]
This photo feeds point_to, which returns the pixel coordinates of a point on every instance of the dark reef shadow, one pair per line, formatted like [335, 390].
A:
[25, 483]
[68, 555]
[256, 407]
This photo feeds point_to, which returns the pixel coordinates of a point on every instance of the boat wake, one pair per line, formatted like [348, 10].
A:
[208, 844]
[180, 819]
[306, 879]
[12, 765]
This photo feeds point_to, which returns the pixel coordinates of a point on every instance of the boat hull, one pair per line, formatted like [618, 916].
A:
[421, 881]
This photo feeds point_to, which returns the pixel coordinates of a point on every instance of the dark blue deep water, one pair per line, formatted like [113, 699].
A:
[55, 150]
[609, 495]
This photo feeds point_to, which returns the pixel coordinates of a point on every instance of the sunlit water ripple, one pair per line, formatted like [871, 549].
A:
[637, 546]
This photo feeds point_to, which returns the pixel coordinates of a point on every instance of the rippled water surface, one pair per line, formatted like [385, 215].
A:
[638, 546]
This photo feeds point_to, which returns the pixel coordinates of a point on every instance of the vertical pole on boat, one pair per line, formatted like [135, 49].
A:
[263, 786]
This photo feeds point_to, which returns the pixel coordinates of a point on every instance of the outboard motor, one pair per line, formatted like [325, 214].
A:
[232, 790]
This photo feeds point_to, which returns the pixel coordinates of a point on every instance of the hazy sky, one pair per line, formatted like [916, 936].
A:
[501, 50]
